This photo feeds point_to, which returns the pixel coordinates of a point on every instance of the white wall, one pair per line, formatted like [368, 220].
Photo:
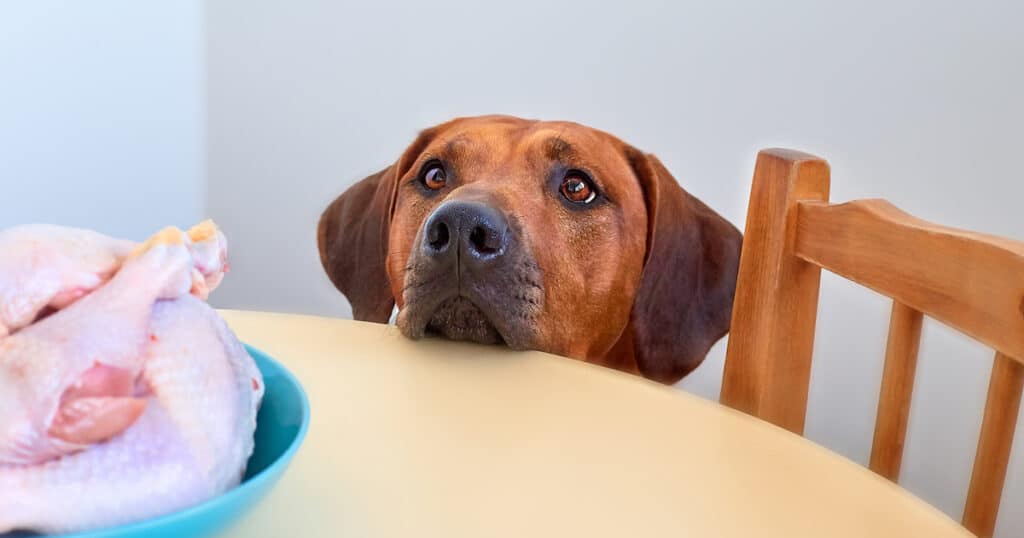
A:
[101, 114]
[917, 102]
[911, 101]
[102, 125]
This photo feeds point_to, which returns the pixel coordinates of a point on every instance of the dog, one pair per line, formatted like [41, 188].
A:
[539, 235]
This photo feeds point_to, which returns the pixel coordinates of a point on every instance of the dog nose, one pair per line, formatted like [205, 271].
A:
[477, 230]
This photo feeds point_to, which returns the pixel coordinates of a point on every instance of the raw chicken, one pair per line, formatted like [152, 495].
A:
[44, 266]
[133, 401]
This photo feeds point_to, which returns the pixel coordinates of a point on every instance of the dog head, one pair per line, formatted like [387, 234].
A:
[539, 235]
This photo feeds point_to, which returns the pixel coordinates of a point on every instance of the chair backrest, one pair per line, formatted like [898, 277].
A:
[970, 281]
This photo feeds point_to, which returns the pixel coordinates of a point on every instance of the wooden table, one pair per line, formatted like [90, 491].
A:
[439, 439]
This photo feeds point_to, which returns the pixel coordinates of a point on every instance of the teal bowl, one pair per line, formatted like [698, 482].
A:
[280, 428]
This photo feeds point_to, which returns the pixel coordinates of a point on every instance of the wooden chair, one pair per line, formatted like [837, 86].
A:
[970, 281]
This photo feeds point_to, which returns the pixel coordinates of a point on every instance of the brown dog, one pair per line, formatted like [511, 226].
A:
[541, 235]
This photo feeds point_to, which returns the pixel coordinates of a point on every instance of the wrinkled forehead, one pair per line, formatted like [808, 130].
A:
[509, 147]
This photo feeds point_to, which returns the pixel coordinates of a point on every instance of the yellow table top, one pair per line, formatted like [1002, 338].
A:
[434, 438]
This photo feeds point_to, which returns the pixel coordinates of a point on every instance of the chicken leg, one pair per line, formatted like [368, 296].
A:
[69, 380]
[44, 267]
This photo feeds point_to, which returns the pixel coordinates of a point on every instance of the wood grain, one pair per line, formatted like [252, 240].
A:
[897, 391]
[768, 362]
[970, 281]
[994, 443]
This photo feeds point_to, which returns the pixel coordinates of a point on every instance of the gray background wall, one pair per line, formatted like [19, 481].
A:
[102, 114]
[918, 102]
[125, 118]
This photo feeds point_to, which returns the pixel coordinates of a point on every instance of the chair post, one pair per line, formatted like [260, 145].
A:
[896, 391]
[994, 445]
[768, 362]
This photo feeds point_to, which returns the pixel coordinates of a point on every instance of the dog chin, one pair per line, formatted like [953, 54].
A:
[458, 318]
[455, 318]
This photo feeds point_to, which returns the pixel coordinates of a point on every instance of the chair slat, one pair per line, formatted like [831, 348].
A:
[973, 282]
[897, 390]
[970, 281]
[993, 455]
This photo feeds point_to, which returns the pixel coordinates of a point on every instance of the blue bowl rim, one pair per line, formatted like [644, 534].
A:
[259, 478]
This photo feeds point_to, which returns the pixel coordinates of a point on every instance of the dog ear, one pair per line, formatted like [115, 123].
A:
[684, 302]
[353, 237]
[353, 241]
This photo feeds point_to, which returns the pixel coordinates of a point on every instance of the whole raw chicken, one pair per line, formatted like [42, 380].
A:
[123, 395]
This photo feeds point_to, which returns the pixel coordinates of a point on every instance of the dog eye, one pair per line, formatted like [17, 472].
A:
[577, 188]
[434, 177]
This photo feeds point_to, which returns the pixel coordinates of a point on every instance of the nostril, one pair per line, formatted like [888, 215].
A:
[437, 236]
[478, 237]
[484, 241]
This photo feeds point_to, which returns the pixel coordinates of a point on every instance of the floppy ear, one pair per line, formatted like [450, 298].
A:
[353, 237]
[353, 242]
[684, 302]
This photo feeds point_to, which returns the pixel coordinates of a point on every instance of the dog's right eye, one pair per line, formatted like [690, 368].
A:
[434, 177]
[577, 188]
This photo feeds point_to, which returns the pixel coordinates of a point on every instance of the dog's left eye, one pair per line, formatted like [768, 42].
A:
[577, 188]
[434, 176]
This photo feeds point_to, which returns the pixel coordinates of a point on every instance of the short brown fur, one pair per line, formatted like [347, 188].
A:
[642, 282]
